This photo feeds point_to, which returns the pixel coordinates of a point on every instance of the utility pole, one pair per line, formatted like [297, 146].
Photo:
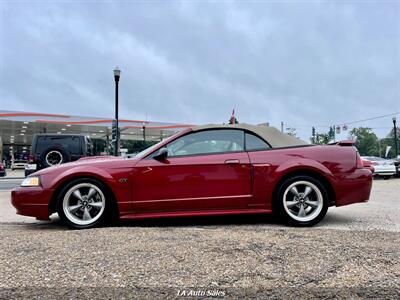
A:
[313, 134]
[395, 136]
[281, 126]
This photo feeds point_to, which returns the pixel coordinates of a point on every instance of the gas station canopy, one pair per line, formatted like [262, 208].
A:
[18, 128]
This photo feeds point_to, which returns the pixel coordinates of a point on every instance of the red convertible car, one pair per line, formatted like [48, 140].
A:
[205, 170]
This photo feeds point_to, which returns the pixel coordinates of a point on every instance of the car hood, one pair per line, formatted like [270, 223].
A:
[97, 158]
[103, 162]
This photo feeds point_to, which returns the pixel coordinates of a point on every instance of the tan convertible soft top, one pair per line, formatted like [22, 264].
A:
[270, 134]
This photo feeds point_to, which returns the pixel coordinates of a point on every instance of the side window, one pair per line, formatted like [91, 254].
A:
[72, 144]
[208, 141]
[40, 144]
[89, 146]
[255, 143]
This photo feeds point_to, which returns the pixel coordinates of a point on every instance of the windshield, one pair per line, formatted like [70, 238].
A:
[147, 150]
[151, 148]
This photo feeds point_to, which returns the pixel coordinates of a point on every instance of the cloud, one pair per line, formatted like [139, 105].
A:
[305, 64]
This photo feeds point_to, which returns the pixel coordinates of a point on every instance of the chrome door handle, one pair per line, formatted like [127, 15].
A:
[232, 161]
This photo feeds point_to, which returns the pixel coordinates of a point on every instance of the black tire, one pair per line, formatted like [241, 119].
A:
[386, 177]
[64, 156]
[288, 216]
[105, 214]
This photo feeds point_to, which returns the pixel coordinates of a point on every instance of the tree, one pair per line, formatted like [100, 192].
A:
[391, 133]
[291, 131]
[324, 138]
[367, 142]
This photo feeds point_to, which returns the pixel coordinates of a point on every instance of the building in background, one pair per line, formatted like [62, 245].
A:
[17, 129]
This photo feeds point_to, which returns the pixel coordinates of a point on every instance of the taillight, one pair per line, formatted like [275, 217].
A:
[30, 158]
[1, 167]
[360, 164]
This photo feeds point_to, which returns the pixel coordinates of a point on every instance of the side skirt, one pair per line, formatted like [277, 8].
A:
[195, 213]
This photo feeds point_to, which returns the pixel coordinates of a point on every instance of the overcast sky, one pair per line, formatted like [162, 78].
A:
[305, 63]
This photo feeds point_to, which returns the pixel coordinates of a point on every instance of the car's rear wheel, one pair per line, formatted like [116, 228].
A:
[83, 203]
[302, 201]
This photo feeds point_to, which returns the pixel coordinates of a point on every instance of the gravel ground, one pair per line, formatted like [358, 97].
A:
[354, 253]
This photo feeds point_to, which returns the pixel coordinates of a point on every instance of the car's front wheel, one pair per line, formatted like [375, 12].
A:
[302, 201]
[83, 203]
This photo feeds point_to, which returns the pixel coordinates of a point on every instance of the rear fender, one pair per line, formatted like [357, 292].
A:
[267, 179]
[309, 168]
[302, 164]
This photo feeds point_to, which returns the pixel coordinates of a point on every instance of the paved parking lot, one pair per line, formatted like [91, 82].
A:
[353, 253]
[8, 184]
[14, 174]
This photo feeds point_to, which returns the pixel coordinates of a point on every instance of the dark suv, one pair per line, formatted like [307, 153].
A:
[54, 149]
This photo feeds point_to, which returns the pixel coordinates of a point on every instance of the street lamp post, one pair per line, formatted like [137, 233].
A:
[117, 73]
[395, 137]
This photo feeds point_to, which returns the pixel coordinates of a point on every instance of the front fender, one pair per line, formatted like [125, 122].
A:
[54, 181]
[119, 189]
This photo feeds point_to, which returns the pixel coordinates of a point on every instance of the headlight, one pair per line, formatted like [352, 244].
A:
[31, 181]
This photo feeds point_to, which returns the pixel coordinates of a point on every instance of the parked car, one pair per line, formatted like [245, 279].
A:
[49, 150]
[368, 164]
[206, 170]
[2, 170]
[396, 162]
[18, 164]
[382, 167]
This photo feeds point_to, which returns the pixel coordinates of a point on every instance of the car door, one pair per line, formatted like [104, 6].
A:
[204, 170]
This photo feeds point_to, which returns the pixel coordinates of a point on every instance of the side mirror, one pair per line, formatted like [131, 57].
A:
[161, 154]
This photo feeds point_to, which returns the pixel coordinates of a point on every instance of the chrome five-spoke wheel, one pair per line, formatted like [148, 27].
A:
[83, 204]
[303, 201]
